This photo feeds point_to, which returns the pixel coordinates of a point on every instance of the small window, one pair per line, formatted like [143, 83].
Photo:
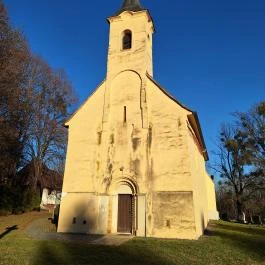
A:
[124, 114]
[127, 40]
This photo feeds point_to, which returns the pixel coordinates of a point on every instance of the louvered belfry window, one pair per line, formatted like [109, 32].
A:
[127, 40]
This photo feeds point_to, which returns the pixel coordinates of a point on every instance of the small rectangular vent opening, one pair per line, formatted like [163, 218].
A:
[124, 114]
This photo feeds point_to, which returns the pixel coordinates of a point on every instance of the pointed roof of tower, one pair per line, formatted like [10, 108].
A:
[130, 5]
[133, 6]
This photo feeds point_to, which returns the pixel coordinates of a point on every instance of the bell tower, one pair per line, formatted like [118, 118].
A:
[130, 40]
[129, 60]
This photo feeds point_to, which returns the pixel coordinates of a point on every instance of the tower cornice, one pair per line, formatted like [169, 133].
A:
[131, 6]
[115, 17]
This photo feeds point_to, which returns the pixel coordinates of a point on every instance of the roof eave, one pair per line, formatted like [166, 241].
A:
[167, 93]
[195, 123]
[193, 118]
[66, 125]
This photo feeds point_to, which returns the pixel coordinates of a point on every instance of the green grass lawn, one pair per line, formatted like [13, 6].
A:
[226, 244]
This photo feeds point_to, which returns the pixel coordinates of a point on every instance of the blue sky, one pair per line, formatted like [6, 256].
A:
[209, 54]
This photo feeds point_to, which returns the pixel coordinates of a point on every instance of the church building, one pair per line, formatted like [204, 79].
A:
[136, 156]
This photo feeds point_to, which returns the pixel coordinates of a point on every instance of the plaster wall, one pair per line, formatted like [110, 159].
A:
[199, 180]
[212, 209]
[79, 213]
[170, 200]
[173, 214]
[169, 155]
[81, 170]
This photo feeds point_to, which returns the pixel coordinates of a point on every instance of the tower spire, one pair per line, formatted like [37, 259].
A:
[130, 5]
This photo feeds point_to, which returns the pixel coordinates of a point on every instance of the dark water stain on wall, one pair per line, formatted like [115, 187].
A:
[150, 136]
[112, 140]
[136, 142]
[135, 166]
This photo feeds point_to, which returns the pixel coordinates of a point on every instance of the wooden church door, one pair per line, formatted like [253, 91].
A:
[125, 213]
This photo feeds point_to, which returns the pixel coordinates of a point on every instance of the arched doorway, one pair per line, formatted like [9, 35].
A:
[124, 207]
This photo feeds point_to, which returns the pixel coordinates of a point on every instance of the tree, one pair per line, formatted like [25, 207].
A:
[50, 96]
[14, 58]
[255, 203]
[252, 126]
[233, 164]
[241, 162]
[34, 102]
[225, 200]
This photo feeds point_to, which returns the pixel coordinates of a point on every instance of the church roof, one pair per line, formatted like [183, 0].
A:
[130, 5]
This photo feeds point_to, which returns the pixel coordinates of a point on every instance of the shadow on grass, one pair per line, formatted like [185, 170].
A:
[245, 241]
[8, 230]
[79, 254]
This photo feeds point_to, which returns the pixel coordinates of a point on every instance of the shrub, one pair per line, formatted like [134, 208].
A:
[25, 200]
[18, 200]
[6, 205]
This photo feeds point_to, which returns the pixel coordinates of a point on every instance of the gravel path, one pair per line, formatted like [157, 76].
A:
[42, 229]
